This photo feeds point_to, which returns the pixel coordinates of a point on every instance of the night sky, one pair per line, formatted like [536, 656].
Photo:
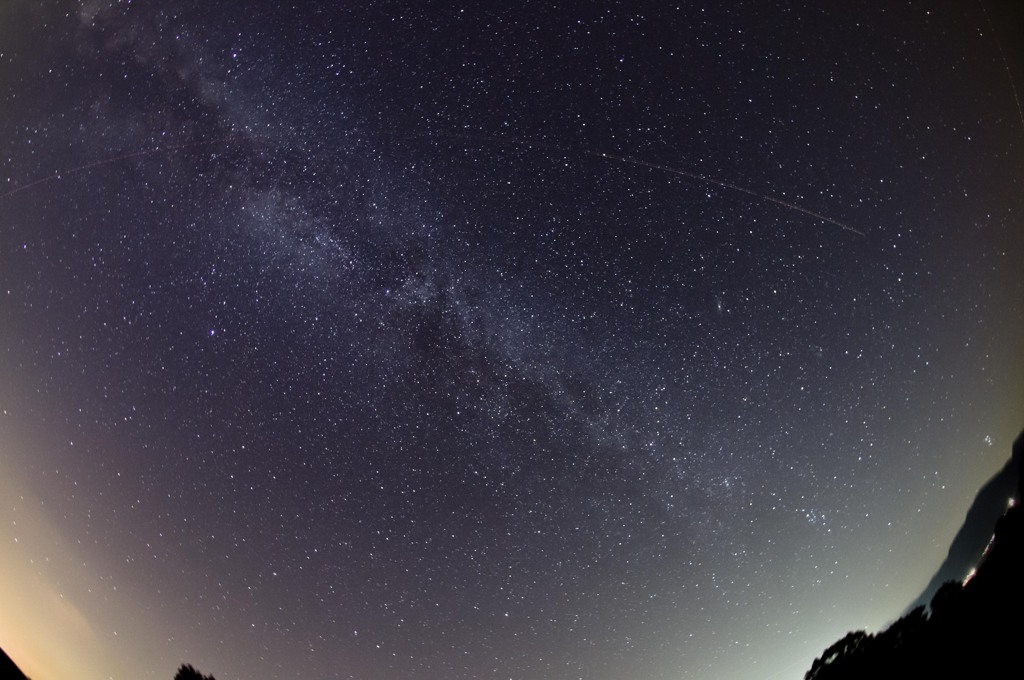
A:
[433, 340]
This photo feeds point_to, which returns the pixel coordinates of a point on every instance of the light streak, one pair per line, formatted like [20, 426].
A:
[1006, 64]
[112, 159]
[639, 162]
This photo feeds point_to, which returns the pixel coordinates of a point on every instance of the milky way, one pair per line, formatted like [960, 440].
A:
[441, 341]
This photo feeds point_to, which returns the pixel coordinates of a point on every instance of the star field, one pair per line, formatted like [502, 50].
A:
[420, 340]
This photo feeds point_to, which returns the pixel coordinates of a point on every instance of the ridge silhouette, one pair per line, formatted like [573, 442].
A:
[974, 534]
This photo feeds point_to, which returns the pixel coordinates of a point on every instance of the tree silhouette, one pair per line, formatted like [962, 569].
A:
[835, 660]
[187, 672]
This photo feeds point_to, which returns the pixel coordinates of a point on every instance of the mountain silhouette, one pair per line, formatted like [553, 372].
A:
[969, 628]
[975, 533]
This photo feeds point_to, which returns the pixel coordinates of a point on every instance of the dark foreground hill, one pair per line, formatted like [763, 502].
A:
[8, 669]
[970, 629]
